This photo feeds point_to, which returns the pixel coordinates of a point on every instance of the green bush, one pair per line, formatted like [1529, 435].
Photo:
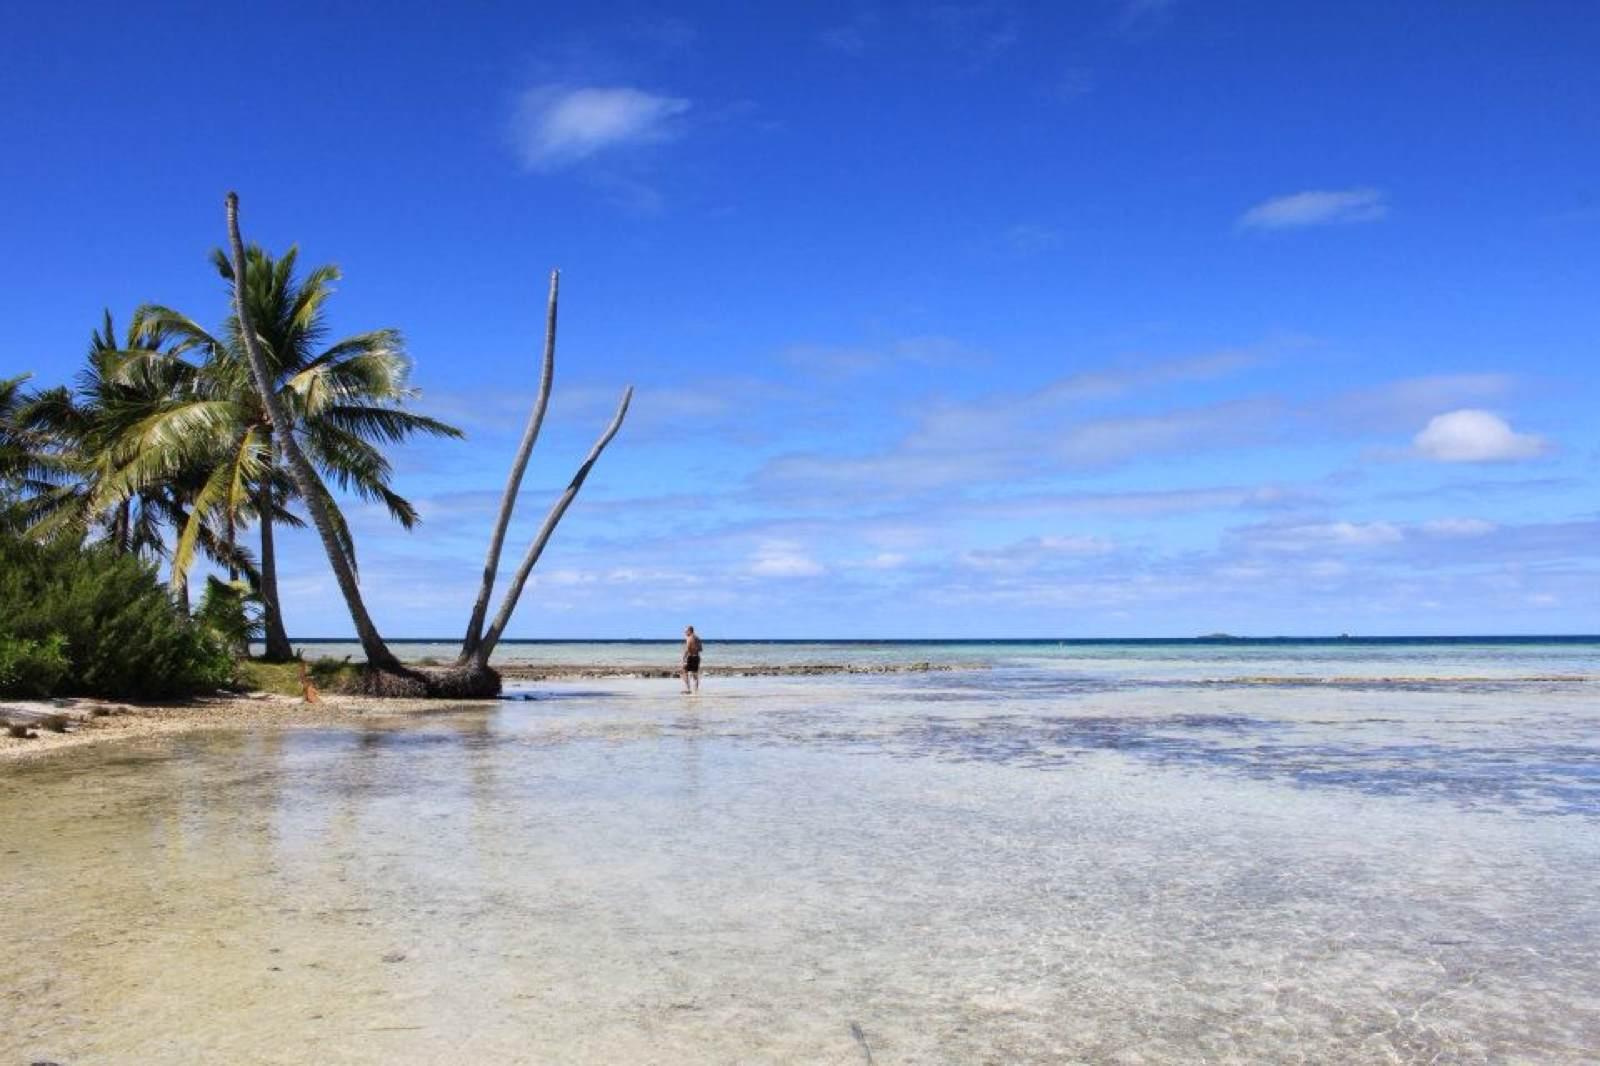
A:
[32, 669]
[122, 635]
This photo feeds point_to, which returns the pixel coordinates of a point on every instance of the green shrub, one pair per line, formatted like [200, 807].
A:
[123, 636]
[32, 669]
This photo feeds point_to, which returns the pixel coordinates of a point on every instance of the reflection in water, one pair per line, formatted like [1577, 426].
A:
[1009, 866]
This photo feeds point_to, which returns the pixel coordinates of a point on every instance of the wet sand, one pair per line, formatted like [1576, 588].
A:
[91, 722]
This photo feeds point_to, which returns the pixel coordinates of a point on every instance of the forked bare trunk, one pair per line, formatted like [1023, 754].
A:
[485, 648]
[305, 479]
[472, 675]
[519, 465]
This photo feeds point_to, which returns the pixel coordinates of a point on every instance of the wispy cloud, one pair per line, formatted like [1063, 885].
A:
[848, 361]
[1036, 553]
[559, 125]
[981, 30]
[1473, 436]
[851, 37]
[1012, 436]
[1030, 237]
[783, 558]
[1316, 207]
[1317, 536]
[1401, 404]
[1137, 17]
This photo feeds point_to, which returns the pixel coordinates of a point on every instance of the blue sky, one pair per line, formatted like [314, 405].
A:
[1134, 317]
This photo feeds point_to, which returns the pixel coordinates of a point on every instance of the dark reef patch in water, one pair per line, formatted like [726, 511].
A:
[1554, 778]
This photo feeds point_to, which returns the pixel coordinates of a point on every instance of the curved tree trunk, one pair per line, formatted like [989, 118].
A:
[519, 465]
[379, 657]
[472, 676]
[278, 648]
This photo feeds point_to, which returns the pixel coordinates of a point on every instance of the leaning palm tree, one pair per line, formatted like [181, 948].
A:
[472, 675]
[339, 403]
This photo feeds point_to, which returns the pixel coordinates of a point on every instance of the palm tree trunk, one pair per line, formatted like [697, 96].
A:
[277, 637]
[305, 478]
[122, 527]
[508, 500]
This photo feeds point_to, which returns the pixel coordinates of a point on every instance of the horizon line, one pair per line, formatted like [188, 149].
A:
[1204, 637]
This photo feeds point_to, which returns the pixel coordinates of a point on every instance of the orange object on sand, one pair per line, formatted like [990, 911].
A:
[306, 687]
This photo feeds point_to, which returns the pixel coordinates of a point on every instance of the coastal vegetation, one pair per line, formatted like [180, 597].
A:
[174, 443]
[88, 620]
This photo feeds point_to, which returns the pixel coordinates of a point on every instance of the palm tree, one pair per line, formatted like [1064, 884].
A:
[339, 403]
[472, 675]
[113, 464]
[86, 430]
[19, 457]
[27, 470]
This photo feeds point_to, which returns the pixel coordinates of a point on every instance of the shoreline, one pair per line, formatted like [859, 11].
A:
[64, 723]
[590, 671]
[60, 724]
[84, 722]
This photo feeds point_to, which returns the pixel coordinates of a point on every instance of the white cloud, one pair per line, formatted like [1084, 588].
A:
[1458, 527]
[1076, 545]
[780, 558]
[1316, 536]
[1316, 207]
[1035, 552]
[557, 125]
[1473, 436]
[885, 561]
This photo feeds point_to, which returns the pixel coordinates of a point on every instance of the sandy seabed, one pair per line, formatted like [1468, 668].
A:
[983, 867]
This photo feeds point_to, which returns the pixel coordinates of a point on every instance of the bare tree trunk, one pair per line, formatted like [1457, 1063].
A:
[508, 501]
[379, 657]
[486, 647]
[278, 648]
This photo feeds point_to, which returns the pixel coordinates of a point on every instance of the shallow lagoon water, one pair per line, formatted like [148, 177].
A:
[1089, 860]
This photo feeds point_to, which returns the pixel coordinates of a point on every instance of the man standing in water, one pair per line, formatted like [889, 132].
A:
[691, 659]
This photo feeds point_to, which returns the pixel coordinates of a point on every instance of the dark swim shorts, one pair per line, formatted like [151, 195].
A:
[691, 664]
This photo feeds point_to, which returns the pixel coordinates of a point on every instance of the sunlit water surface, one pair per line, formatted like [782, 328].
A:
[1082, 855]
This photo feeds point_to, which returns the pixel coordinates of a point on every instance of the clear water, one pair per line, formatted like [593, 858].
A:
[1079, 854]
[1133, 659]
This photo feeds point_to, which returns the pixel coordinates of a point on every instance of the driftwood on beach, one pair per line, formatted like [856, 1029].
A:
[24, 722]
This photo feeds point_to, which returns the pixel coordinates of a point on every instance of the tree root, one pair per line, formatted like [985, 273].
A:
[455, 683]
